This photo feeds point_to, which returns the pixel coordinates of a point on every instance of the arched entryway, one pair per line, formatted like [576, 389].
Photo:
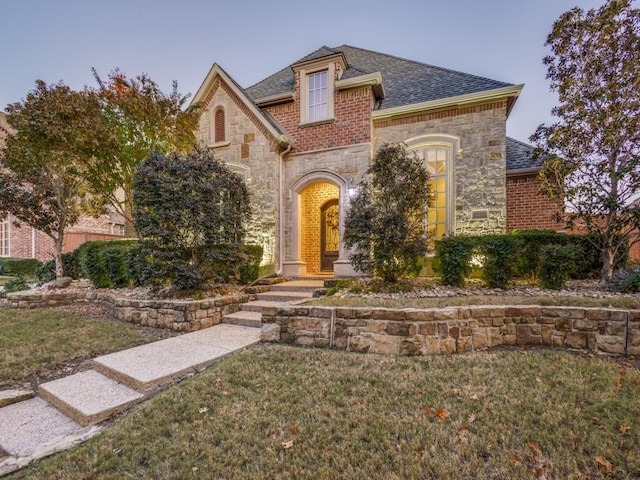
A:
[319, 226]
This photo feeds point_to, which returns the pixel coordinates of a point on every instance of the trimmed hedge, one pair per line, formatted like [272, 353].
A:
[557, 264]
[122, 263]
[453, 259]
[19, 266]
[520, 254]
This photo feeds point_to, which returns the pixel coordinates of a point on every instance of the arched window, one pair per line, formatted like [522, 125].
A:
[219, 134]
[438, 153]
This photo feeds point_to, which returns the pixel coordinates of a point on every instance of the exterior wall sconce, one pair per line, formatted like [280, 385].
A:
[351, 189]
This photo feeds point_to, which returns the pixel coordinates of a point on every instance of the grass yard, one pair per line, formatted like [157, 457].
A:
[280, 412]
[440, 302]
[41, 344]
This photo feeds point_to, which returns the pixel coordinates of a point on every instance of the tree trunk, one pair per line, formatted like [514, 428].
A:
[607, 265]
[57, 255]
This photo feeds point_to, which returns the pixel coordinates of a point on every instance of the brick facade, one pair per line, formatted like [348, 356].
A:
[527, 208]
[351, 123]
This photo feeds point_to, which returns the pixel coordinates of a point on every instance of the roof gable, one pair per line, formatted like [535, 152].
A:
[265, 120]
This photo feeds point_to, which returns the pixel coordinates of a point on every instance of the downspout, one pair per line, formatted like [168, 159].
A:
[281, 209]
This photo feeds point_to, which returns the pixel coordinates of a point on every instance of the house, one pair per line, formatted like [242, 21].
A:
[27, 242]
[303, 137]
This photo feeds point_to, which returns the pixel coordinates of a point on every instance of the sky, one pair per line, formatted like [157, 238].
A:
[179, 40]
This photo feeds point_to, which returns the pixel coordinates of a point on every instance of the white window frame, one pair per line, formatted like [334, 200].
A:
[5, 237]
[305, 75]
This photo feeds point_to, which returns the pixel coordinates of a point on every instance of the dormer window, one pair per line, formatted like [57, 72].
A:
[317, 83]
[318, 107]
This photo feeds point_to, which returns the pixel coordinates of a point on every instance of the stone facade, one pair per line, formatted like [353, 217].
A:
[479, 168]
[249, 152]
[457, 329]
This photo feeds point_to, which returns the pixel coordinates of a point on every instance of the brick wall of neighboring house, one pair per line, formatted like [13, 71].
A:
[351, 123]
[527, 208]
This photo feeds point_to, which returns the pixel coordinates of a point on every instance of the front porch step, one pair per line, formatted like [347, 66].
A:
[298, 286]
[257, 305]
[283, 297]
[88, 397]
[246, 318]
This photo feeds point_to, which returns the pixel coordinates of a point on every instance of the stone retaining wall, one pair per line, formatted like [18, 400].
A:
[180, 315]
[457, 329]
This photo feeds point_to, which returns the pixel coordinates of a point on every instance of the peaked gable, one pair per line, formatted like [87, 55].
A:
[267, 123]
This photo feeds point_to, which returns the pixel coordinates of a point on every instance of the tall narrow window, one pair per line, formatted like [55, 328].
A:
[219, 125]
[4, 237]
[436, 160]
[318, 104]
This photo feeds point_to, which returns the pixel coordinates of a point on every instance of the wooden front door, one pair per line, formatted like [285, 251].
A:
[329, 235]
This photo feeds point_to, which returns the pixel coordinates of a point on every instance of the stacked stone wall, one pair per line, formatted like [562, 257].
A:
[457, 329]
[179, 315]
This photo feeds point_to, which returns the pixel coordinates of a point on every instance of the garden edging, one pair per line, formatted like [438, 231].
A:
[457, 329]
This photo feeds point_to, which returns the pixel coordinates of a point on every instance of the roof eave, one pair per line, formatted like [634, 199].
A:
[374, 80]
[516, 172]
[511, 91]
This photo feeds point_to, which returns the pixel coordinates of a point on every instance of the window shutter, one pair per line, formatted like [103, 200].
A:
[219, 125]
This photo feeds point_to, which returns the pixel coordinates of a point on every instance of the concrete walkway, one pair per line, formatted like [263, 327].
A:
[66, 410]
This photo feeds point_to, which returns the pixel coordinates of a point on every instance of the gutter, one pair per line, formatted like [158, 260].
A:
[281, 209]
[522, 171]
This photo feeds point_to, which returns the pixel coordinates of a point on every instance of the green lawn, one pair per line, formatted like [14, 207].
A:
[41, 344]
[280, 412]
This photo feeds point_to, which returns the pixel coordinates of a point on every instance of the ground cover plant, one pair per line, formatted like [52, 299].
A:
[283, 412]
[41, 344]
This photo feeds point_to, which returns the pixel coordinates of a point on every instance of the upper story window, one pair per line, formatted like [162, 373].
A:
[4, 237]
[219, 124]
[318, 98]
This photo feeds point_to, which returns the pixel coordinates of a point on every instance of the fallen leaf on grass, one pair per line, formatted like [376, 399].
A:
[624, 428]
[604, 465]
[471, 418]
[442, 414]
[293, 428]
[287, 444]
[463, 437]
[534, 446]
[203, 410]
[618, 382]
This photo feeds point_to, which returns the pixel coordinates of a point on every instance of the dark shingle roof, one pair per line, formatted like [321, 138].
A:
[405, 81]
[519, 155]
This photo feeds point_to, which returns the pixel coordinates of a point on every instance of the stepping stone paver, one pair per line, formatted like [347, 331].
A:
[26, 425]
[89, 397]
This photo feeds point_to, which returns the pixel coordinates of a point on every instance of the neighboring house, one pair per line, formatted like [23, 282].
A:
[303, 137]
[27, 242]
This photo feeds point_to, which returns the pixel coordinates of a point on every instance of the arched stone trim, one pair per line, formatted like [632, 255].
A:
[240, 169]
[293, 263]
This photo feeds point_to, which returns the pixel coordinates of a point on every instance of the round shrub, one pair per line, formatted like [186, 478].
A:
[557, 264]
